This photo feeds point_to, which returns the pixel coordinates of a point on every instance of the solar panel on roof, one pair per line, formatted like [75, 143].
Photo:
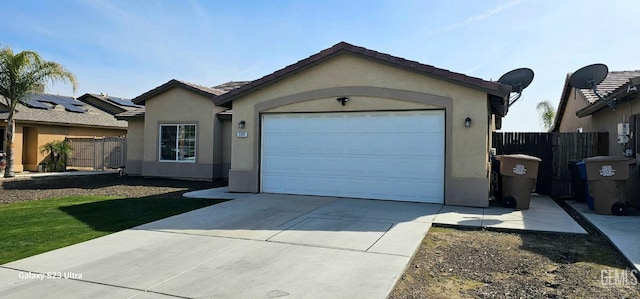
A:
[72, 108]
[31, 103]
[122, 102]
[68, 103]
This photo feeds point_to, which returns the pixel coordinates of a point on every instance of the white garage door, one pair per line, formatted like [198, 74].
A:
[378, 155]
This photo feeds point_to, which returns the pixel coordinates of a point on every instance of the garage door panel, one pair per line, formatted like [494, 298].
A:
[383, 155]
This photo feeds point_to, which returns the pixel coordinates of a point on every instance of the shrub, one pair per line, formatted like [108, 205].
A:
[57, 152]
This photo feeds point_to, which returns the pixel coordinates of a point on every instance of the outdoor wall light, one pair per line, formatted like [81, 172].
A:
[467, 122]
[241, 124]
[343, 100]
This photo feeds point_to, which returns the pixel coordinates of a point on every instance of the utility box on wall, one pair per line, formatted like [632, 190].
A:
[623, 133]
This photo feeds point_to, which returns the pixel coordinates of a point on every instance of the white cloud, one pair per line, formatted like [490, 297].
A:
[478, 17]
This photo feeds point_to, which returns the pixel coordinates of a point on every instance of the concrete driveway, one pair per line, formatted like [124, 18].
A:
[259, 246]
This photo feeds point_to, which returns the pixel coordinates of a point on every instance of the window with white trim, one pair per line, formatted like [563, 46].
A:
[178, 142]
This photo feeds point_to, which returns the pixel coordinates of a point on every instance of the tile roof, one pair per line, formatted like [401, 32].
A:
[92, 117]
[491, 87]
[231, 85]
[202, 90]
[612, 82]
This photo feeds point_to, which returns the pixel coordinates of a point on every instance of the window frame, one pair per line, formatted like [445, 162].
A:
[177, 144]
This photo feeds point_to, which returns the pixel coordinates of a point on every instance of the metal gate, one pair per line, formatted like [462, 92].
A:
[555, 150]
[97, 153]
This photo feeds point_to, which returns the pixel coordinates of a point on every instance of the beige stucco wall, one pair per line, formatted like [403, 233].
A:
[179, 106]
[27, 148]
[135, 146]
[226, 147]
[570, 121]
[316, 89]
[605, 120]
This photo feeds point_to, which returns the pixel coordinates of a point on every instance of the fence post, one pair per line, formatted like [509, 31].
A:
[95, 149]
[102, 157]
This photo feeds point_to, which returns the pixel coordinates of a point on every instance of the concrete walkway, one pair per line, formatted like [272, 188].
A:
[537, 218]
[543, 215]
[622, 231]
[259, 246]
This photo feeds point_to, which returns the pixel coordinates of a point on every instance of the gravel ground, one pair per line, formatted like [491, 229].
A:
[25, 189]
[458, 263]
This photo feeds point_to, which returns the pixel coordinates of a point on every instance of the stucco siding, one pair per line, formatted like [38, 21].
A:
[570, 121]
[370, 86]
[226, 147]
[135, 147]
[30, 137]
[179, 106]
[606, 120]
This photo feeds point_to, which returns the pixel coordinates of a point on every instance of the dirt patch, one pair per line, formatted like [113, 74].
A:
[457, 263]
[25, 189]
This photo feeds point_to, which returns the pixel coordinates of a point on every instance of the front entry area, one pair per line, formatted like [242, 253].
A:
[390, 155]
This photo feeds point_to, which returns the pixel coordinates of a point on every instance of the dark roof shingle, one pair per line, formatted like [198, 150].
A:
[92, 116]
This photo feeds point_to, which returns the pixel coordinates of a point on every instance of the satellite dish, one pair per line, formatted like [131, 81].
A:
[518, 79]
[589, 77]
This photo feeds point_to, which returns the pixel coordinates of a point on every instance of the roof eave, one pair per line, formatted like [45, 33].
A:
[564, 97]
[619, 96]
[139, 100]
[127, 118]
[591, 109]
[345, 48]
[70, 124]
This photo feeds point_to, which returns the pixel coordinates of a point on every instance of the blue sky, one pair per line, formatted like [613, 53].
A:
[126, 48]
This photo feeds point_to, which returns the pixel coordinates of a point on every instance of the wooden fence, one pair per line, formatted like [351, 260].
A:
[555, 150]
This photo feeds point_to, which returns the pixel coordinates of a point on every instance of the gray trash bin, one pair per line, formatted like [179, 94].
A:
[519, 173]
[607, 176]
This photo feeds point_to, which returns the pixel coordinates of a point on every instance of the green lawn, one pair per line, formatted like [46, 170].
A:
[30, 228]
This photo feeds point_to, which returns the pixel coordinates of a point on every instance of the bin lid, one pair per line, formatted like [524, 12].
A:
[518, 156]
[608, 159]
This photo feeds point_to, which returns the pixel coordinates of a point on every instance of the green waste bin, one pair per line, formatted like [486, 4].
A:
[607, 176]
[519, 173]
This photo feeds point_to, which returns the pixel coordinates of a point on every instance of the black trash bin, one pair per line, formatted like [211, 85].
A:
[496, 179]
[577, 183]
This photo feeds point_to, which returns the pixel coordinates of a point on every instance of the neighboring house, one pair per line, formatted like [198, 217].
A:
[582, 111]
[353, 122]
[110, 104]
[180, 133]
[46, 118]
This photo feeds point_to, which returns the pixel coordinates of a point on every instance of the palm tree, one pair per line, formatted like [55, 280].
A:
[21, 75]
[547, 114]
